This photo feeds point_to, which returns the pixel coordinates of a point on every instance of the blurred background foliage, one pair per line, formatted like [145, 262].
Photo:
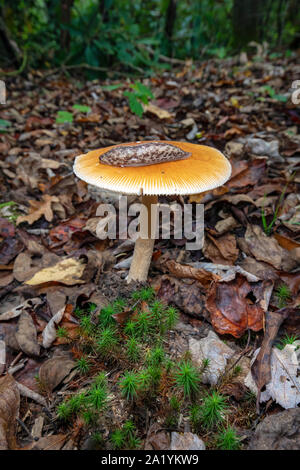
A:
[137, 35]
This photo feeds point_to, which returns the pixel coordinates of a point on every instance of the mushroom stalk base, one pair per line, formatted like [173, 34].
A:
[143, 249]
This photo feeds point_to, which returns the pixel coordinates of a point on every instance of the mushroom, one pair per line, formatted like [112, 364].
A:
[151, 169]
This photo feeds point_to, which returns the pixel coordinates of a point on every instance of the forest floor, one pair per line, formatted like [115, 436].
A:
[90, 362]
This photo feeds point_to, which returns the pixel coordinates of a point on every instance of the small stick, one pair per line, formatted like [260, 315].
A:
[23, 425]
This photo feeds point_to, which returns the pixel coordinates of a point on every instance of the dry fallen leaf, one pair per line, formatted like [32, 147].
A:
[68, 271]
[230, 309]
[267, 249]
[159, 112]
[54, 370]
[9, 411]
[283, 384]
[16, 311]
[49, 333]
[53, 442]
[26, 335]
[39, 209]
[222, 250]
[261, 366]
[189, 272]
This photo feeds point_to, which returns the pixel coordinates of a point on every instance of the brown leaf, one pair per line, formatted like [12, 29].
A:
[253, 173]
[16, 310]
[54, 370]
[53, 442]
[267, 249]
[159, 112]
[222, 250]
[67, 271]
[23, 268]
[9, 410]
[39, 209]
[157, 439]
[231, 311]
[185, 271]
[186, 294]
[26, 335]
[261, 367]
[9, 249]
[7, 229]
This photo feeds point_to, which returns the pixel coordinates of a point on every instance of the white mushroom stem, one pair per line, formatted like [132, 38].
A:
[143, 249]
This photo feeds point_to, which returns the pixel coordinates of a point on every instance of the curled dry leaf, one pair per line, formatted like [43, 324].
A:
[26, 335]
[230, 309]
[68, 271]
[189, 272]
[9, 411]
[16, 311]
[49, 333]
[261, 366]
[225, 272]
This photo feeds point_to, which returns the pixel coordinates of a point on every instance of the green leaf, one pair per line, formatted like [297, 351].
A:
[111, 87]
[142, 89]
[82, 108]
[134, 104]
[64, 116]
[281, 98]
[4, 123]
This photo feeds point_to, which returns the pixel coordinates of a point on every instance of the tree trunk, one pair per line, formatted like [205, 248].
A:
[169, 25]
[65, 18]
[103, 10]
[247, 21]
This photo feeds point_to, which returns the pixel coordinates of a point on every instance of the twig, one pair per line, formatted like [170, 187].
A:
[23, 425]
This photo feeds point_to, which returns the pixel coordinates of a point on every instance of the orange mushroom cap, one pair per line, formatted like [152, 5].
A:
[205, 169]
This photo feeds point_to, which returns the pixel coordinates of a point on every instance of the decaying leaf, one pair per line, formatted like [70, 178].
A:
[283, 384]
[232, 312]
[68, 271]
[186, 294]
[9, 411]
[212, 348]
